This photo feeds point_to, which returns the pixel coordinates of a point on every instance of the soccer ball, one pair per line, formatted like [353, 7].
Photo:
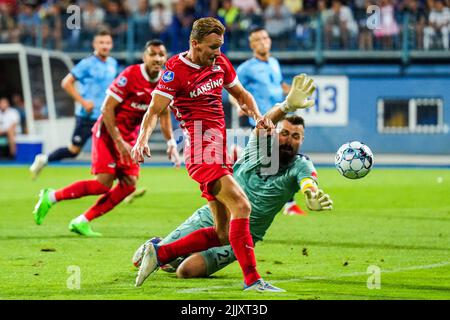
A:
[354, 160]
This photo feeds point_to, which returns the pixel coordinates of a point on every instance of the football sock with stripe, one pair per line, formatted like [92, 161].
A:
[196, 241]
[242, 243]
[80, 189]
[109, 200]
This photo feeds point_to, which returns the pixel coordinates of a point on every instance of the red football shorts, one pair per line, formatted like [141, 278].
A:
[207, 174]
[206, 156]
[106, 159]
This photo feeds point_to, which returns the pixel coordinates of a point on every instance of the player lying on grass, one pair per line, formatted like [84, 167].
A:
[267, 195]
[127, 99]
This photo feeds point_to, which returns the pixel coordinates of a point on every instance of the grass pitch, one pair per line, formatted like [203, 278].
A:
[397, 220]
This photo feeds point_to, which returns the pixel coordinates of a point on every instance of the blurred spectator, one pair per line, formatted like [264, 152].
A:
[365, 36]
[183, 18]
[309, 7]
[438, 27]
[207, 8]
[39, 108]
[92, 17]
[160, 21]
[389, 27]
[416, 21]
[51, 26]
[305, 24]
[141, 23]
[8, 28]
[250, 17]
[340, 26]
[279, 22]
[19, 105]
[9, 120]
[294, 6]
[323, 11]
[247, 6]
[230, 17]
[29, 23]
[132, 6]
[116, 21]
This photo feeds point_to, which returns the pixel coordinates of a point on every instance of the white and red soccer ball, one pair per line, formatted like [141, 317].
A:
[354, 160]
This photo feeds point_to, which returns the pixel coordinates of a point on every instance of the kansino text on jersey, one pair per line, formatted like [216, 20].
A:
[212, 84]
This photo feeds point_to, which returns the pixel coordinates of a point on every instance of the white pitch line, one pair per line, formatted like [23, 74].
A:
[353, 274]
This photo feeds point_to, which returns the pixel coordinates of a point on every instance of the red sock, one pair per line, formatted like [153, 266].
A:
[196, 241]
[242, 244]
[109, 200]
[80, 189]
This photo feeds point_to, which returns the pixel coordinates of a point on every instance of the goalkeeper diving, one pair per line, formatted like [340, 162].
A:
[267, 190]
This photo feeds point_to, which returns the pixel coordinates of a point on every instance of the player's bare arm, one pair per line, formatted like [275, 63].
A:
[166, 129]
[158, 104]
[248, 104]
[109, 120]
[68, 84]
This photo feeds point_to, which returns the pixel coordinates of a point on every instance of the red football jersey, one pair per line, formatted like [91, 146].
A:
[197, 91]
[132, 88]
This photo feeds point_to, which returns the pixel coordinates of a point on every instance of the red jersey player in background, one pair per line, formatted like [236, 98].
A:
[113, 135]
[193, 81]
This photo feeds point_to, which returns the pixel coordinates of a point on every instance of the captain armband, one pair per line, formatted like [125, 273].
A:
[308, 183]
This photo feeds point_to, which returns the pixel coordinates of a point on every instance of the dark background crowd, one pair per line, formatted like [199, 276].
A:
[292, 24]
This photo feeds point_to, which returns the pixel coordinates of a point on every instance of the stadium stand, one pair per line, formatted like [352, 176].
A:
[330, 25]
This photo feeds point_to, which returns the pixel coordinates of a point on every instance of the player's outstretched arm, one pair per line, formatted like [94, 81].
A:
[315, 198]
[158, 104]
[299, 97]
[248, 105]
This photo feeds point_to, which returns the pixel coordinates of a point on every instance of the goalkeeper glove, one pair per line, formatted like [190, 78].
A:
[318, 201]
[302, 88]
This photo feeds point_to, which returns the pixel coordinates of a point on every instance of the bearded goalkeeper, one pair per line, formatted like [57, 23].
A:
[267, 191]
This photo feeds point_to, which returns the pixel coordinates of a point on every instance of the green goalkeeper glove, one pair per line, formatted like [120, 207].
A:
[302, 88]
[318, 201]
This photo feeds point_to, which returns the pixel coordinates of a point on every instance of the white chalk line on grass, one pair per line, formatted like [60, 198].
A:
[343, 275]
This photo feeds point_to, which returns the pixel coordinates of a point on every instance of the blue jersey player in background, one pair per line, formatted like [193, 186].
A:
[262, 77]
[94, 74]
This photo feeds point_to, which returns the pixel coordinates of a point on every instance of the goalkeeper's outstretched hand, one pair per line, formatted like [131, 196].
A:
[299, 97]
[318, 201]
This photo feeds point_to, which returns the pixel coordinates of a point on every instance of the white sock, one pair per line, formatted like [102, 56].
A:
[81, 218]
[52, 196]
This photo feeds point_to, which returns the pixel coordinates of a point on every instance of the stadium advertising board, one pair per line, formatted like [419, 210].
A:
[331, 108]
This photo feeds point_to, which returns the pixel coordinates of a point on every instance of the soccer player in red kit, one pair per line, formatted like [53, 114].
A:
[113, 135]
[192, 85]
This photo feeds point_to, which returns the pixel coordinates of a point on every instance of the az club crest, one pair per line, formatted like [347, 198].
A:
[168, 76]
[122, 82]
